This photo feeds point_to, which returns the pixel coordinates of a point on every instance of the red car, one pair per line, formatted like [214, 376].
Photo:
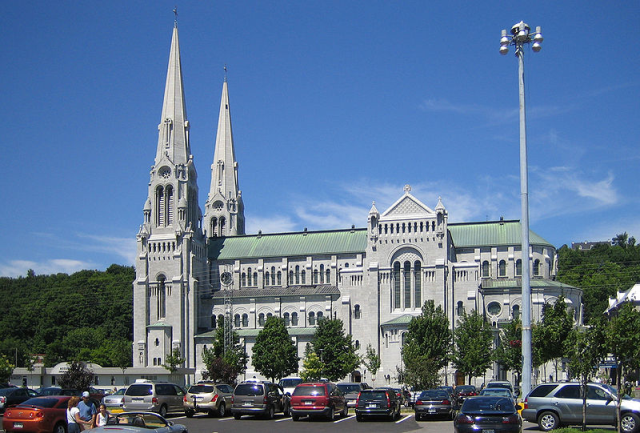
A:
[38, 415]
[318, 399]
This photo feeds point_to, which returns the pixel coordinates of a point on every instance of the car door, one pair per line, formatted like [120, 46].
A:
[601, 406]
[225, 392]
[568, 400]
[177, 398]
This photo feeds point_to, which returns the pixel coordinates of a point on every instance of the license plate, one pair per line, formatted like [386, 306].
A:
[308, 403]
[17, 425]
[488, 431]
[372, 405]
[432, 411]
[247, 403]
[138, 399]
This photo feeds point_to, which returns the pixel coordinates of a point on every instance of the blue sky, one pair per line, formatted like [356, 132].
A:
[334, 104]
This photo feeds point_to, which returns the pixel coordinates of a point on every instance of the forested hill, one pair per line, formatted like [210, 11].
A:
[601, 272]
[87, 315]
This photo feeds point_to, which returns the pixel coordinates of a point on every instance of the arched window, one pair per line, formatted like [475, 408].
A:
[396, 285]
[236, 320]
[485, 269]
[417, 281]
[287, 319]
[213, 226]
[536, 268]
[328, 276]
[266, 278]
[213, 321]
[515, 312]
[255, 278]
[315, 276]
[407, 284]
[245, 320]
[502, 268]
[304, 276]
[294, 319]
[297, 274]
[243, 280]
[249, 281]
[169, 205]
[222, 225]
[261, 319]
[273, 276]
[356, 311]
[160, 206]
[290, 277]
[312, 318]
[279, 278]
[319, 316]
[321, 274]
[162, 297]
[357, 344]
[518, 268]
[460, 308]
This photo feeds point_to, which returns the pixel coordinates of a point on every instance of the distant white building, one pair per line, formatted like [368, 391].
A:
[375, 278]
[632, 295]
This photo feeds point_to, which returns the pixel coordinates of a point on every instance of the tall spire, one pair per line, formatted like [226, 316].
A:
[173, 136]
[224, 214]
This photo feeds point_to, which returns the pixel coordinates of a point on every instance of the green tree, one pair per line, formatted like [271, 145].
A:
[274, 354]
[427, 347]
[77, 376]
[509, 351]
[621, 337]
[473, 341]
[371, 360]
[312, 366]
[173, 361]
[6, 369]
[221, 365]
[335, 349]
[585, 349]
[552, 331]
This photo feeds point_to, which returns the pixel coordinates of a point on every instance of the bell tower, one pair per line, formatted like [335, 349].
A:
[171, 254]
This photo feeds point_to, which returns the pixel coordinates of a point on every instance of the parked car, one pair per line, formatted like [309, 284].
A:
[351, 391]
[378, 402]
[11, 396]
[140, 422]
[56, 390]
[44, 414]
[214, 399]
[434, 403]
[318, 399]
[259, 398]
[113, 402]
[288, 384]
[553, 405]
[498, 392]
[415, 394]
[465, 391]
[500, 384]
[150, 396]
[488, 414]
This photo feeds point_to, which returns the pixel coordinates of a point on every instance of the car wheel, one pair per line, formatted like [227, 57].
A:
[60, 428]
[358, 417]
[629, 423]
[418, 417]
[222, 410]
[345, 412]
[188, 413]
[163, 411]
[398, 414]
[332, 413]
[285, 411]
[295, 417]
[548, 421]
[237, 416]
[270, 412]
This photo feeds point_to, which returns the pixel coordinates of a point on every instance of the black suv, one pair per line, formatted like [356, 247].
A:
[259, 398]
[378, 402]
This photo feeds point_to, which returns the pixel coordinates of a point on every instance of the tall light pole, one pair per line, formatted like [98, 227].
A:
[520, 35]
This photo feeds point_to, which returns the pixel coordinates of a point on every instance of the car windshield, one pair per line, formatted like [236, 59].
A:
[349, 389]
[488, 405]
[40, 402]
[249, 389]
[309, 390]
[496, 391]
[290, 383]
[201, 389]
[466, 388]
[434, 395]
[139, 390]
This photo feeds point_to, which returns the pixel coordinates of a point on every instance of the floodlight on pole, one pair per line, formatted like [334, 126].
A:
[520, 35]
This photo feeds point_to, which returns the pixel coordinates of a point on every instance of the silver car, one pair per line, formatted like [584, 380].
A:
[160, 397]
[552, 405]
[351, 390]
[113, 402]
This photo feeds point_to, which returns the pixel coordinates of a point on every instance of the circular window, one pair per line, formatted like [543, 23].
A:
[218, 205]
[494, 308]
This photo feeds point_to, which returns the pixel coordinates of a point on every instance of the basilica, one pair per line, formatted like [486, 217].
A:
[196, 271]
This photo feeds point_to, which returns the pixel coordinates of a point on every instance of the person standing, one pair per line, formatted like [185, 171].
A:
[103, 416]
[75, 424]
[87, 410]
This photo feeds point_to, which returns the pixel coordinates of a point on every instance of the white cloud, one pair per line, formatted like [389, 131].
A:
[273, 224]
[17, 268]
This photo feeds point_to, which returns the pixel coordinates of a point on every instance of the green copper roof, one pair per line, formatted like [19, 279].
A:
[253, 332]
[535, 283]
[402, 320]
[289, 244]
[491, 233]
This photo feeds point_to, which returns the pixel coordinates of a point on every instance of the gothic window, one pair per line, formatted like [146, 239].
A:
[162, 297]
[266, 278]
[518, 268]
[417, 281]
[245, 320]
[312, 318]
[536, 268]
[236, 320]
[315, 276]
[304, 276]
[407, 284]
[294, 319]
[396, 284]
[502, 268]
[279, 278]
[287, 319]
[356, 311]
[249, 282]
[160, 206]
[297, 274]
[273, 276]
[255, 278]
[169, 205]
[515, 312]
[213, 226]
[222, 225]
[328, 277]
[243, 280]
[485, 269]
[319, 316]
[290, 277]
[261, 319]
[321, 274]
[460, 309]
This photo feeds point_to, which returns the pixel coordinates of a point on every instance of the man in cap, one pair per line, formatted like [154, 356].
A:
[88, 410]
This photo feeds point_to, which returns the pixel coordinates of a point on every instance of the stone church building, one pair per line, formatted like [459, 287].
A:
[375, 278]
